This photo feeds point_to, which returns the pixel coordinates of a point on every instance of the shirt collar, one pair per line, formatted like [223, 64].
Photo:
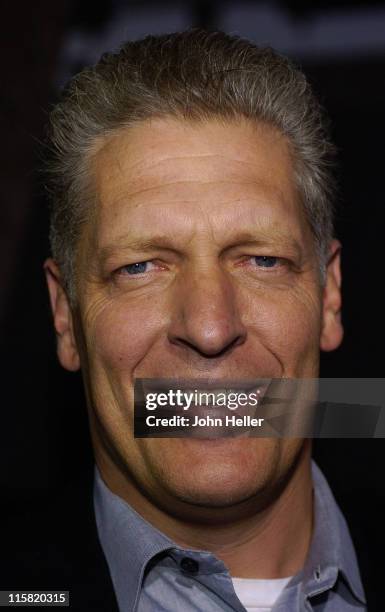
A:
[331, 553]
[128, 541]
[121, 529]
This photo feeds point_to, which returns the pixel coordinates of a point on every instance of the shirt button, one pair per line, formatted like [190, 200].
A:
[189, 565]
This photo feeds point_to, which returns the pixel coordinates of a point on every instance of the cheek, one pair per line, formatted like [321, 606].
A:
[122, 334]
[289, 325]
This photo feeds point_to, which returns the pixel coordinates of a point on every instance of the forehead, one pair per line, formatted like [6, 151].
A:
[165, 172]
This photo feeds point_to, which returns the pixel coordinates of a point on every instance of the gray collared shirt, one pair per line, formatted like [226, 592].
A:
[151, 573]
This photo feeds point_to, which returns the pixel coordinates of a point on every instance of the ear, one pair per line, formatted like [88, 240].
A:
[332, 331]
[62, 316]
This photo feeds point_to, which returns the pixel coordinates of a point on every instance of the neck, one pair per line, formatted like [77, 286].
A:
[269, 543]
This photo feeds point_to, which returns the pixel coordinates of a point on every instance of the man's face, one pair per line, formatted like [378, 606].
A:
[197, 262]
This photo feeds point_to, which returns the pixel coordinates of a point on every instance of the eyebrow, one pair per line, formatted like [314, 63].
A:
[135, 244]
[265, 239]
[161, 242]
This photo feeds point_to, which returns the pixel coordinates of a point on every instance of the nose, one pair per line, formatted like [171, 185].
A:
[206, 317]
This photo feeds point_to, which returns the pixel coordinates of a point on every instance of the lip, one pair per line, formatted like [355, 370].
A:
[257, 387]
[275, 405]
[162, 385]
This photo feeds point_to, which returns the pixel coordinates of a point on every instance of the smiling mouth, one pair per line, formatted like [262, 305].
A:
[206, 395]
[202, 384]
[213, 408]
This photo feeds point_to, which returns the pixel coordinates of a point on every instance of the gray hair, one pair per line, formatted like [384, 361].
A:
[193, 75]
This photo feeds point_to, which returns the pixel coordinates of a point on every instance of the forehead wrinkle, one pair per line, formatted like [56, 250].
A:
[147, 163]
[115, 190]
[187, 225]
[153, 160]
[108, 180]
[191, 128]
[219, 172]
[151, 163]
[268, 193]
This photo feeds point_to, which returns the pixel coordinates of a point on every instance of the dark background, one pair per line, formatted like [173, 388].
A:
[341, 47]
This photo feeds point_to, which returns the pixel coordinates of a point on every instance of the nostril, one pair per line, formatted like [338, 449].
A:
[208, 350]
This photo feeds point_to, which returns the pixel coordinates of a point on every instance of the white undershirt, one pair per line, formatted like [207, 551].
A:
[259, 595]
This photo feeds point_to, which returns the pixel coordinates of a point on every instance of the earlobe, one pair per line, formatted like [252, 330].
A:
[332, 329]
[62, 317]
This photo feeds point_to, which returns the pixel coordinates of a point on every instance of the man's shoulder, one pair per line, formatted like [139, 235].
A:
[52, 544]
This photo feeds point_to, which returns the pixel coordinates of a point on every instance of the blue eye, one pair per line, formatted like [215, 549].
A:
[136, 268]
[264, 261]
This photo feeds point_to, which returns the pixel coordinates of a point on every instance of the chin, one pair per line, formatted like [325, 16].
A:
[219, 473]
[217, 491]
